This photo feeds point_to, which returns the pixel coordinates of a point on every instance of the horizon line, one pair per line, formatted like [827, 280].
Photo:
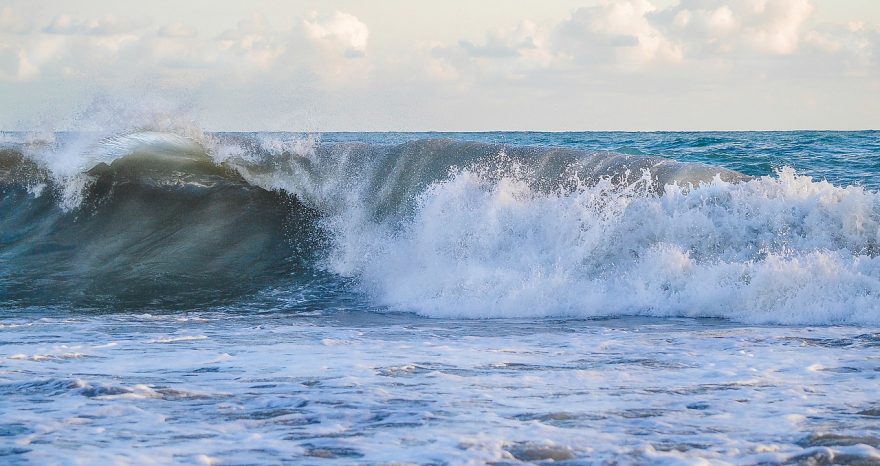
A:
[436, 131]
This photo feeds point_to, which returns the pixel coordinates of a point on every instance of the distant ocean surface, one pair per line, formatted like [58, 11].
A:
[440, 298]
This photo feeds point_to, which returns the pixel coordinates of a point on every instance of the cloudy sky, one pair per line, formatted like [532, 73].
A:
[444, 65]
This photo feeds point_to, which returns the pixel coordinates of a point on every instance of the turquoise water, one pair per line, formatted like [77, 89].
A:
[769, 227]
[843, 158]
[440, 298]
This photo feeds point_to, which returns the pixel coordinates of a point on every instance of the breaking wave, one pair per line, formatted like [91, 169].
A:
[434, 226]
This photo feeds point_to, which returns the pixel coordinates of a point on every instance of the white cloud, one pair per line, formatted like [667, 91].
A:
[341, 31]
[253, 42]
[15, 65]
[503, 54]
[108, 25]
[177, 29]
[853, 48]
[67, 24]
[585, 59]
[712, 26]
[63, 24]
[109, 48]
[617, 32]
[10, 21]
[501, 43]
[433, 62]
[780, 24]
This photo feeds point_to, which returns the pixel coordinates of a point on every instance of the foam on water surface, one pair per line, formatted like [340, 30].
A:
[338, 388]
[506, 298]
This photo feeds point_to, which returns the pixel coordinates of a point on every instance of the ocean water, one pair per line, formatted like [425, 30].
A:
[186, 297]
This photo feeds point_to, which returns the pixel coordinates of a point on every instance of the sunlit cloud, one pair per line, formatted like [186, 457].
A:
[731, 47]
[338, 31]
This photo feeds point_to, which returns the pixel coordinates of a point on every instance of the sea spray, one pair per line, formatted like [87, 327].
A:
[782, 249]
[439, 227]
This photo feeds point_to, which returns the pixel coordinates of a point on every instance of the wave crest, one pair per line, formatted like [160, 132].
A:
[784, 250]
[439, 227]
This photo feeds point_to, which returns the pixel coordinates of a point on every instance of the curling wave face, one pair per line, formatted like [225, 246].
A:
[440, 227]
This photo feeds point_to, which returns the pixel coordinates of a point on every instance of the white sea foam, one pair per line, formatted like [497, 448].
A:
[486, 241]
[783, 249]
[454, 230]
[177, 339]
[271, 388]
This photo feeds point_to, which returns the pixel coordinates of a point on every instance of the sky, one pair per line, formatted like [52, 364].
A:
[404, 65]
